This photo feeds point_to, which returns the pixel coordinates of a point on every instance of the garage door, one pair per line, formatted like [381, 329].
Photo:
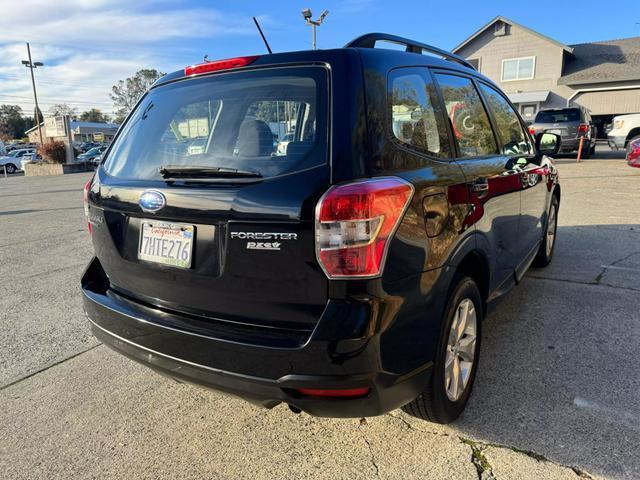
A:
[617, 101]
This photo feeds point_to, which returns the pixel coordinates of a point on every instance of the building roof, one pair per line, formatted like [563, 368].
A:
[601, 62]
[93, 126]
[500, 18]
[527, 97]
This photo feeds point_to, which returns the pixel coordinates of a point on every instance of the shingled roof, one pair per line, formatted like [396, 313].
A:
[602, 62]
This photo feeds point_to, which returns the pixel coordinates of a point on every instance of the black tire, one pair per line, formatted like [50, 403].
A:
[592, 150]
[10, 168]
[433, 404]
[586, 151]
[545, 254]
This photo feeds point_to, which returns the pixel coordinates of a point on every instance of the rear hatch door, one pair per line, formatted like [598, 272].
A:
[205, 202]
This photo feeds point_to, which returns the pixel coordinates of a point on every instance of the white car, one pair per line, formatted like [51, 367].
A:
[12, 161]
[626, 128]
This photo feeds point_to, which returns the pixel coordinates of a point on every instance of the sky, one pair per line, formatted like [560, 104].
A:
[88, 45]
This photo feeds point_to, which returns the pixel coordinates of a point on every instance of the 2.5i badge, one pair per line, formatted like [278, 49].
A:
[267, 240]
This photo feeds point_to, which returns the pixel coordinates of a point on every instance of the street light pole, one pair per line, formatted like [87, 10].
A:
[31, 65]
[306, 14]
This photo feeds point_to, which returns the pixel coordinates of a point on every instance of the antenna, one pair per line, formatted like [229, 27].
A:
[255, 20]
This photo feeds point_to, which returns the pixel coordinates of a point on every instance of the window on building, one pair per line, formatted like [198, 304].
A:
[468, 117]
[518, 68]
[416, 116]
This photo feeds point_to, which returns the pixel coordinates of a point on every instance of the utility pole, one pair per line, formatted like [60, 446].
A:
[31, 65]
[306, 14]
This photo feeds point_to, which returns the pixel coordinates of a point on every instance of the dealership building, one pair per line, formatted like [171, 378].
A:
[538, 72]
[80, 132]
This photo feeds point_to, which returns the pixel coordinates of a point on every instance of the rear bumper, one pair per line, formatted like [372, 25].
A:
[572, 144]
[263, 375]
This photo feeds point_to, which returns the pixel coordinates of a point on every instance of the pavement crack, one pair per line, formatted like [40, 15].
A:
[483, 467]
[485, 470]
[363, 421]
[414, 427]
[577, 282]
[598, 278]
[33, 374]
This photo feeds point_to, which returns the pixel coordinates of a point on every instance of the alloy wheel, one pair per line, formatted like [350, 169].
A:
[461, 349]
[551, 230]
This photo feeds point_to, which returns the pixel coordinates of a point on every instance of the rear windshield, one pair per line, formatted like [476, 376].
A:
[558, 116]
[271, 121]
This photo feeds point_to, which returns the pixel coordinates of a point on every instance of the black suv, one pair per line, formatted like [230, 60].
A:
[321, 228]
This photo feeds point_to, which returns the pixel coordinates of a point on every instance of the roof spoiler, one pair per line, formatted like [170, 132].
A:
[368, 40]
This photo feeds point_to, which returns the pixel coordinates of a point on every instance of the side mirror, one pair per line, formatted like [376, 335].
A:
[548, 143]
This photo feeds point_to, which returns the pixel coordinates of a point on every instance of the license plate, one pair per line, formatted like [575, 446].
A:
[166, 243]
[557, 132]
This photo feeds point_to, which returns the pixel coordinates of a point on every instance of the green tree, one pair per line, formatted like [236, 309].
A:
[93, 115]
[127, 92]
[63, 109]
[12, 124]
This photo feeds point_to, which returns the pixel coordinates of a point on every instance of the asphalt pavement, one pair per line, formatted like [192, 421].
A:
[557, 394]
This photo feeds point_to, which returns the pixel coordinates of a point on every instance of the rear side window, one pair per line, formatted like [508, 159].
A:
[416, 117]
[467, 115]
[271, 121]
[558, 116]
[513, 140]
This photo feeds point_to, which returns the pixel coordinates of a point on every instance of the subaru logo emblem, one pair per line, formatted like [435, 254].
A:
[151, 201]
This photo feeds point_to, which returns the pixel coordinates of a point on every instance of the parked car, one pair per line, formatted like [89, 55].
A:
[347, 278]
[91, 155]
[633, 152]
[3, 149]
[11, 161]
[626, 129]
[571, 124]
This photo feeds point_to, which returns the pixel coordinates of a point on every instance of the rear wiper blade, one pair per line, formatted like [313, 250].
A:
[193, 172]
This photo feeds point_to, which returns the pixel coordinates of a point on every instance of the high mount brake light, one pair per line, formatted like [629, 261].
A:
[355, 223]
[216, 65]
[85, 200]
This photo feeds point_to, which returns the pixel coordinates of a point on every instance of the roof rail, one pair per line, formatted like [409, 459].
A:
[368, 40]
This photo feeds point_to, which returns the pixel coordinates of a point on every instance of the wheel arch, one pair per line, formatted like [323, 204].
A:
[476, 266]
[632, 133]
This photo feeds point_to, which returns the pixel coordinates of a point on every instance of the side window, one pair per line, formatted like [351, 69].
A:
[467, 115]
[513, 140]
[416, 116]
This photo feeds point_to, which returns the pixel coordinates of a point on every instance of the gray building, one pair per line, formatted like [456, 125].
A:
[80, 132]
[537, 72]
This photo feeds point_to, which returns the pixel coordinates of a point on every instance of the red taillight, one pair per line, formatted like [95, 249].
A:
[583, 128]
[85, 200]
[355, 223]
[216, 65]
[532, 131]
[341, 393]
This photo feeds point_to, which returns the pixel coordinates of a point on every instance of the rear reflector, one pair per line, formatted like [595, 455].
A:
[216, 65]
[342, 393]
[355, 223]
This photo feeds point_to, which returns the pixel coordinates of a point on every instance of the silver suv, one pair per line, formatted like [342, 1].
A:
[571, 124]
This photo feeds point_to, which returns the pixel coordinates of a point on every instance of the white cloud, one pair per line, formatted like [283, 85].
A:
[88, 45]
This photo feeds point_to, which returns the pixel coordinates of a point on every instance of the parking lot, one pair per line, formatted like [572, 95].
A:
[557, 396]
